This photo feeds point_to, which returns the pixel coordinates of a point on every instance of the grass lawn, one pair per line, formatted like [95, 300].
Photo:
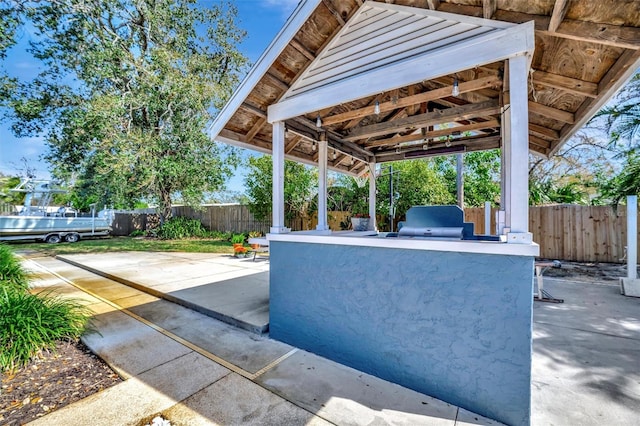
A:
[112, 244]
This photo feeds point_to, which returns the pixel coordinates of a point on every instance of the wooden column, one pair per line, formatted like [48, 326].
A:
[460, 179]
[372, 197]
[277, 155]
[516, 154]
[322, 183]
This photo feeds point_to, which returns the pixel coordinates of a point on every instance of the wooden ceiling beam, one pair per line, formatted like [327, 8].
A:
[434, 134]
[611, 81]
[547, 111]
[407, 101]
[543, 132]
[571, 85]
[429, 119]
[559, 11]
[552, 113]
[600, 33]
[473, 143]
[534, 140]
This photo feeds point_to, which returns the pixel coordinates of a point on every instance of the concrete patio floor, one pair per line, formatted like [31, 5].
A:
[585, 363]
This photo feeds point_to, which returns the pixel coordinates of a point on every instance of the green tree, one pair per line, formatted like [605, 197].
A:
[300, 187]
[125, 95]
[416, 182]
[622, 123]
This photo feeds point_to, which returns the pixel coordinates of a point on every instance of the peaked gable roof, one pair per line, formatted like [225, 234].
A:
[584, 51]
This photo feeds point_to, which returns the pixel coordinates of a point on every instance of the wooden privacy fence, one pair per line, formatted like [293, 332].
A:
[571, 232]
[564, 232]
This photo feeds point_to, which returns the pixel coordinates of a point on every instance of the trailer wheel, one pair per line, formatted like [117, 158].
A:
[72, 238]
[53, 239]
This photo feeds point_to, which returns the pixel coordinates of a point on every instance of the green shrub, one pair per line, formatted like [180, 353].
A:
[12, 274]
[178, 228]
[30, 323]
[137, 233]
[220, 235]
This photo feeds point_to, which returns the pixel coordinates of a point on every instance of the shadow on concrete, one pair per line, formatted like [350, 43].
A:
[586, 352]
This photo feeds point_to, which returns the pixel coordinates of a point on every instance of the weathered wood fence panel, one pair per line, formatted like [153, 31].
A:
[126, 223]
[571, 232]
[226, 218]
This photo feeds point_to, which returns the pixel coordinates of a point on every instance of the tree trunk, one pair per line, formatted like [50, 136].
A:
[165, 206]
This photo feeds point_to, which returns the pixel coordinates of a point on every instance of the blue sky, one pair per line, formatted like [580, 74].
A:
[262, 19]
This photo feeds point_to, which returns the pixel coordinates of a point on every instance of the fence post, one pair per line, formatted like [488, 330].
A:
[632, 237]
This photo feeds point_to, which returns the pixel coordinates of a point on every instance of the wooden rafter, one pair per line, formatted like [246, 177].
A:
[543, 132]
[539, 142]
[550, 112]
[559, 11]
[607, 84]
[433, 4]
[334, 12]
[433, 134]
[489, 8]
[302, 49]
[547, 111]
[254, 110]
[571, 85]
[601, 33]
[290, 146]
[460, 113]
[276, 82]
[443, 92]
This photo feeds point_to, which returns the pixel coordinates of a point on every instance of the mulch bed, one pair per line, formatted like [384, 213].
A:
[50, 382]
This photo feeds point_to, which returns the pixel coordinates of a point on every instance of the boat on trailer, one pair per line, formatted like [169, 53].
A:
[37, 220]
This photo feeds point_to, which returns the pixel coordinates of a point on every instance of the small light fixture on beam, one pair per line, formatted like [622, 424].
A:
[352, 161]
[318, 121]
[376, 108]
[313, 146]
[456, 89]
[335, 154]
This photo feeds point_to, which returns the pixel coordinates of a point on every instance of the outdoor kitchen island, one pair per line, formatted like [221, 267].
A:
[451, 319]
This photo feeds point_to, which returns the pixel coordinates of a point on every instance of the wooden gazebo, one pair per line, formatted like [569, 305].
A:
[348, 84]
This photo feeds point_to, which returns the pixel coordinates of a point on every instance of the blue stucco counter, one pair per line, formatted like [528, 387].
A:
[449, 319]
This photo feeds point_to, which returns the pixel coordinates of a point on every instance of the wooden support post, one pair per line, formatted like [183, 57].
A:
[277, 156]
[516, 146]
[322, 183]
[460, 179]
[372, 197]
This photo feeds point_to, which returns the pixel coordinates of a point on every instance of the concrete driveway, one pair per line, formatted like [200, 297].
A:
[586, 362]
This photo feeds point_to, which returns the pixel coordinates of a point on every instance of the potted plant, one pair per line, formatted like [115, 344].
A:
[240, 251]
[360, 221]
[237, 240]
